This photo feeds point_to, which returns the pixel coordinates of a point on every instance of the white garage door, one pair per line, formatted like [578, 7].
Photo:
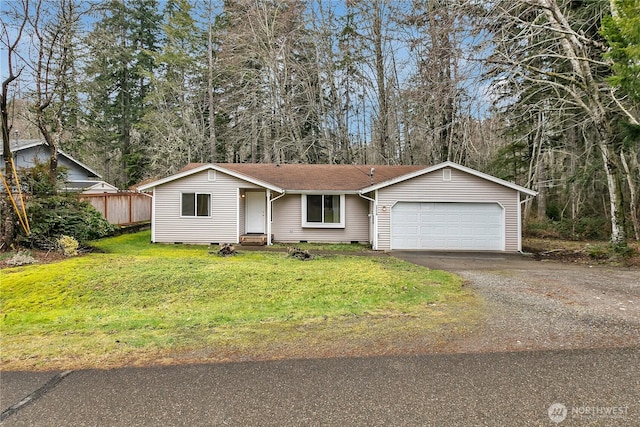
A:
[457, 226]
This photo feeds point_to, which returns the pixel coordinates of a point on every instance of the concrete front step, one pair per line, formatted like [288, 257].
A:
[254, 239]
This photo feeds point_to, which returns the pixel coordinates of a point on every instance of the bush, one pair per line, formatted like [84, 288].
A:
[68, 245]
[64, 215]
[585, 228]
[53, 214]
[21, 258]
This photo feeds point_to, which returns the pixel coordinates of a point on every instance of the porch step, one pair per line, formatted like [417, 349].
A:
[254, 239]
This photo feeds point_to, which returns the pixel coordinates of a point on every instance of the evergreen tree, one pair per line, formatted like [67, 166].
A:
[121, 63]
[174, 121]
[622, 31]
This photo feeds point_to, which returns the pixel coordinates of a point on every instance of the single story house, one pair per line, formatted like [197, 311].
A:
[27, 153]
[442, 207]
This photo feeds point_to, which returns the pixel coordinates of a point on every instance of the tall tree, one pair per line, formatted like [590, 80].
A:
[121, 63]
[554, 47]
[373, 44]
[173, 126]
[55, 34]
[622, 31]
[269, 83]
[436, 32]
[13, 25]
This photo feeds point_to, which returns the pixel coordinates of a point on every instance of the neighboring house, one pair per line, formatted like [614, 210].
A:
[100, 187]
[29, 152]
[443, 207]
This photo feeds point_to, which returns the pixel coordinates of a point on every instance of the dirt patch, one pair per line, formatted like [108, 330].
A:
[581, 252]
[41, 257]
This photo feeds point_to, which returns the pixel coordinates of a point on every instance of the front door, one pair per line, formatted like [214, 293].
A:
[255, 211]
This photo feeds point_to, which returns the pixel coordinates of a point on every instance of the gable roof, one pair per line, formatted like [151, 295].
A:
[453, 165]
[194, 168]
[315, 177]
[31, 143]
[293, 178]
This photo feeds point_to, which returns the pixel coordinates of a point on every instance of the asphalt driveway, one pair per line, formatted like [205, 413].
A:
[534, 305]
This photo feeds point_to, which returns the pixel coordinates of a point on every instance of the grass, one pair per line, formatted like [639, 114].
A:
[135, 303]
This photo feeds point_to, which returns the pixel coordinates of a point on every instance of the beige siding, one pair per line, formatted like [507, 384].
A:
[287, 222]
[462, 187]
[221, 227]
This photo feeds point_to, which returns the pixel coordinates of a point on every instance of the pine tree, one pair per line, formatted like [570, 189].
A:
[122, 46]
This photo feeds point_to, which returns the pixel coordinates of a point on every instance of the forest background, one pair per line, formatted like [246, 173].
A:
[543, 93]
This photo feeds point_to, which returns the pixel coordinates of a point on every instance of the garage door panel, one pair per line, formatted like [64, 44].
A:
[454, 226]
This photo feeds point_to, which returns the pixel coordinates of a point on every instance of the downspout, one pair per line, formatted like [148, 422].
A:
[269, 210]
[374, 243]
[153, 216]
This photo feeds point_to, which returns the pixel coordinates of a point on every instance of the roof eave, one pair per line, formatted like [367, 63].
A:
[444, 165]
[67, 156]
[210, 166]
[323, 191]
[79, 163]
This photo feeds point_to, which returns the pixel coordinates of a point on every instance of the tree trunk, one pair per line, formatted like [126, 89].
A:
[7, 217]
[383, 114]
[614, 185]
[633, 206]
[213, 154]
[593, 105]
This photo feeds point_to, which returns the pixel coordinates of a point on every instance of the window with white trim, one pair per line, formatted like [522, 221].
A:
[323, 210]
[196, 204]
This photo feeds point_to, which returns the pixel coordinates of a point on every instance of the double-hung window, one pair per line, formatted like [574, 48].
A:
[196, 204]
[323, 210]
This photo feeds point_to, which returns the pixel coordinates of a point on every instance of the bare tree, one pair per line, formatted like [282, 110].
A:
[547, 46]
[270, 84]
[10, 38]
[54, 35]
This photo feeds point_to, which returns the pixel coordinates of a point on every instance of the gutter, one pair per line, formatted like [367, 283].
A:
[284, 192]
[374, 243]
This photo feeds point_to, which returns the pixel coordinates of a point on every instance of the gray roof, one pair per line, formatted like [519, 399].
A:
[25, 144]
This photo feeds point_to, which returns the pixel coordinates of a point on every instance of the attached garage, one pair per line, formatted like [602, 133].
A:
[447, 207]
[447, 226]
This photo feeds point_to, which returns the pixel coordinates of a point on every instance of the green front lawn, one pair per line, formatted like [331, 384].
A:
[135, 302]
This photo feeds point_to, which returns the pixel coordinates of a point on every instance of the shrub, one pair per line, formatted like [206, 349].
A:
[584, 228]
[64, 215]
[68, 245]
[21, 258]
[53, 214]
[623, 251]
[597, 251]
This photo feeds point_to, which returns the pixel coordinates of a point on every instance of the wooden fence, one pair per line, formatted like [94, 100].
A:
[121, 208]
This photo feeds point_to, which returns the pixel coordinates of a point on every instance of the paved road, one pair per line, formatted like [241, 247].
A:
[499, 389]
